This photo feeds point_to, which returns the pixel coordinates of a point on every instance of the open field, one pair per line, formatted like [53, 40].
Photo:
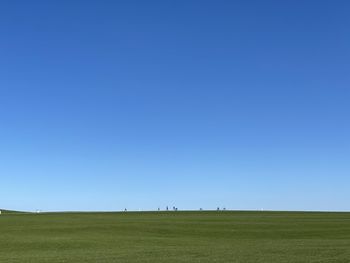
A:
[245, 237]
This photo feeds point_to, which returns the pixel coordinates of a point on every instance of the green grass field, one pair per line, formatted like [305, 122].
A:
[175, 237]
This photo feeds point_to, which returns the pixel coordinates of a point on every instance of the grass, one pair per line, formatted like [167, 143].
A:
[245, 237]
[9, 212]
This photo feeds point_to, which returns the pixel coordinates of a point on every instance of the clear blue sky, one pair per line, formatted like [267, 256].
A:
[143, 104]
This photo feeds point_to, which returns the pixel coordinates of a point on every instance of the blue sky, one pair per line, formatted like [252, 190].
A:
[143, 104]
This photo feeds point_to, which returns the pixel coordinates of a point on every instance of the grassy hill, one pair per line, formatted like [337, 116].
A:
[246, 237]
[4, 211]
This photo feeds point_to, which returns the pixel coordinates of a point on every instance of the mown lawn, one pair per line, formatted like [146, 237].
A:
[242, 237]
